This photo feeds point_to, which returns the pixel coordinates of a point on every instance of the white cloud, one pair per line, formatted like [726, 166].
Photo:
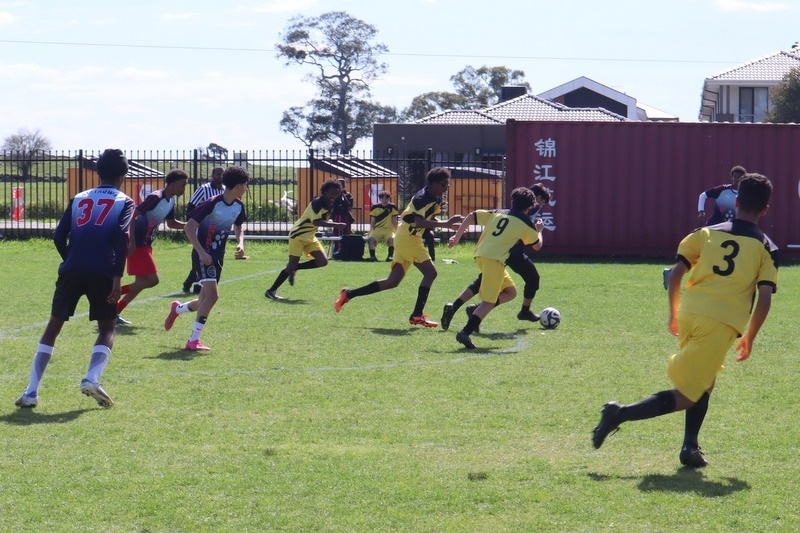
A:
[7, 18]
[283, 6]
[185, 16]
[739, 5]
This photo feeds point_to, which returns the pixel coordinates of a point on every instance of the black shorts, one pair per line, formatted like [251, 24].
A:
[207, 272]
[72, 285]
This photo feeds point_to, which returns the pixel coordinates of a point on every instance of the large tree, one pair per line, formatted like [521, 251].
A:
[473, 89]
[785, 105]
[345, 62]
[24, 147]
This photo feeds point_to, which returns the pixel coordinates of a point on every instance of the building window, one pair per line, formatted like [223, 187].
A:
[753, 104]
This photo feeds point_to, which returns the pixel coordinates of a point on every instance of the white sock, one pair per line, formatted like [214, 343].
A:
[198, 330]
[40, 360]
[98, 362]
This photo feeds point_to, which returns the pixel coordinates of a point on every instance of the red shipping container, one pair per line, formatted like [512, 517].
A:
[631, 188]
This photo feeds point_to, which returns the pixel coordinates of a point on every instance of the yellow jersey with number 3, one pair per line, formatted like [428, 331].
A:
[727, 262]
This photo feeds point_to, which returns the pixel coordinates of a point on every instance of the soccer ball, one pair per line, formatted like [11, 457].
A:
[549, 318]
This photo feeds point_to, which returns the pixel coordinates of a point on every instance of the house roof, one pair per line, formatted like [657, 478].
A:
[351, 167]
[459, 116]
[770, 68]
[525, 107]
[135, 170]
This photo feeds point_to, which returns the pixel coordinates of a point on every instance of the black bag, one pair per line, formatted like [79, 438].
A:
[351, 248]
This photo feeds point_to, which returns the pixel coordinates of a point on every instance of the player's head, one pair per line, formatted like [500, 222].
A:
[176, 181]
[216, 176]
[736, 175]
[438, 180]
[234, 177]
[329, 191]
[384, 197]
[541, 193]
[522, 199]
[112, 166]
[754, 193]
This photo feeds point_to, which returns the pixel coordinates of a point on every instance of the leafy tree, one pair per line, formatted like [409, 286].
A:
[344, 56]
[785, 106]
[474, 89]
[24, 147]
[216, 152]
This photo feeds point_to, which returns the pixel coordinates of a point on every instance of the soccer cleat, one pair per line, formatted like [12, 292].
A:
[469, 310]
[422, 320]
[27, 400]
[389, 259]
[464, 339]
[273, 295]
[609, 422]
[173, 314]
[372, 259]
[122, 322]
[196, 346]
[96, 391]
[447, 316]
[692, 457]
[341, 300]
[527, 314]
[291, 279]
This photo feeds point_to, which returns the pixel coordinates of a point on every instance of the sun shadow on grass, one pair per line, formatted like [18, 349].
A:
[28, 417]
[685, 480]
[179, 355]
[392, 332]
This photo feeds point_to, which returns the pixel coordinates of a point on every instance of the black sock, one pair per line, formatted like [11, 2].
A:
[369, 288]
[372, 253]
[658, 404]
[694, 419]
[391, 251]
[308, 264]
[422, 299]
[457, 303]
[282, 276]
[526, 307]
[473, 323]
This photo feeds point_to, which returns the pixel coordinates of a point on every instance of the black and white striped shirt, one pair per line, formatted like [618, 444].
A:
[203, 193]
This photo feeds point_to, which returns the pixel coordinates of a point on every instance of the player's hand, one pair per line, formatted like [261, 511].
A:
[205, 258]
[538, 225]
[116, 290]
[452, 241]
[673, 325]
[701, 214]
[743, 348]
[455, 219]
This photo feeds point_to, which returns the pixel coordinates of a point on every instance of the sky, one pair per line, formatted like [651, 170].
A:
[177, 75]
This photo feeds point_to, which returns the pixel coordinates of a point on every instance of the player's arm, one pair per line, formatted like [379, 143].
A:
[191, 233]
[674, 293]
[61, 235]
[465, 224]
[701, 205]
[745, 344]
[538, 226]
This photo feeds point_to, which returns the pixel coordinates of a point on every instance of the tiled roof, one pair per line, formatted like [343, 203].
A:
[351, 167]
[768, 68]
[459, 116]
[530, 107]
[525, 107]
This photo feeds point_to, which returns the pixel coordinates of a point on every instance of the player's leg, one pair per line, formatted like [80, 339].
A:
[429, 274]
[396, 274]
[522, 265]
[372, 243]
[390, 253]
[283, 275]
[466, 295]
[105, 314]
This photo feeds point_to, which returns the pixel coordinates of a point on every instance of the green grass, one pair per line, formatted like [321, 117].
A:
[302, 419]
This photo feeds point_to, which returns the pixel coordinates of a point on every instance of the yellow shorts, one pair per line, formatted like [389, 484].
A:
[494, 279]
[382, 234]
[704, 343]
[408, 251]
[303, 247]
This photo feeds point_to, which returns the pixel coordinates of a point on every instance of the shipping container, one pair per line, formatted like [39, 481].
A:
[632, 188]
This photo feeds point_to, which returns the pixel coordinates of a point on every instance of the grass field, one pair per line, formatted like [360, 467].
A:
[302, 419]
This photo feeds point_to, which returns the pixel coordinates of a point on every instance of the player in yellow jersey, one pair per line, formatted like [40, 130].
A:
[303, 240]
[409, 248]
[733, 266]
[501, 231]
[383, 224]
